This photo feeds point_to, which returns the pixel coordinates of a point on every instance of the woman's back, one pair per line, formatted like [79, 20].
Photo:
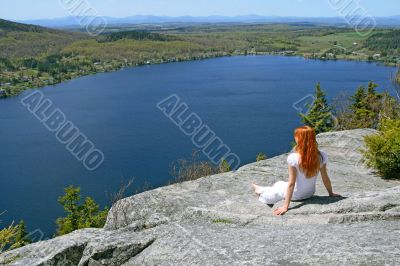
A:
[305, 186]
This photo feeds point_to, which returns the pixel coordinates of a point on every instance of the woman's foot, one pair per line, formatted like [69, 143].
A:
[257, 189]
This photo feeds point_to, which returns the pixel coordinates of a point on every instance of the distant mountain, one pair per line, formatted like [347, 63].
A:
[148, 19]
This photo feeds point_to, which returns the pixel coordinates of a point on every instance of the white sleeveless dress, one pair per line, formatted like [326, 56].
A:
[304, 188]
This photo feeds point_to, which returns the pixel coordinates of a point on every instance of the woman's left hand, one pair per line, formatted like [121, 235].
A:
[280, 211]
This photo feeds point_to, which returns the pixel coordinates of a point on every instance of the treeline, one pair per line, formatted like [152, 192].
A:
[135, 35]
[384, 41]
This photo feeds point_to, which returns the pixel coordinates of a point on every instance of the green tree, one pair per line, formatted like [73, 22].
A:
[70, 201]
[359, 99]
[366, 106]
[319, 115]
[91, 214]
[79, 215]
[89, 210]
[21, 236]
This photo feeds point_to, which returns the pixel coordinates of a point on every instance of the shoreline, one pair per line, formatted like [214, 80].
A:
[154, 62]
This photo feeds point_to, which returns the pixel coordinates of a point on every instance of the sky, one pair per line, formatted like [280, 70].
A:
[40, 9]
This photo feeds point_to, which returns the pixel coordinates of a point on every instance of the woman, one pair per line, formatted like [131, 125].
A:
[305, 162]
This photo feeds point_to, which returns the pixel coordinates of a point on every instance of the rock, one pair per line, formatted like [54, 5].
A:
[217, 220]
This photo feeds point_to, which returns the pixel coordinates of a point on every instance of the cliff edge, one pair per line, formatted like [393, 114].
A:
[217, 220]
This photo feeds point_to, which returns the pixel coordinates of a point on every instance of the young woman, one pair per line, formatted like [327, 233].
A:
[305, 163]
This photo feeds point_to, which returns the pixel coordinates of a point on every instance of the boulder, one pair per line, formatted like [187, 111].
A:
[217, 220]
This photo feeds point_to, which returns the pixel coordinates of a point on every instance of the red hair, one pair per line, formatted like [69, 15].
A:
[307, 148]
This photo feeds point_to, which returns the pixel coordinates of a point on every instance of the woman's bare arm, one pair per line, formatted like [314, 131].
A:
[289, 191]
[327, 181]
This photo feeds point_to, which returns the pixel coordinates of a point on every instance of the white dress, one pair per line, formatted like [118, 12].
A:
[304, 188]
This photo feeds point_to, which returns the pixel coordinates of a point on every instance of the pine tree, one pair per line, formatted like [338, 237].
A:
[90, 208]
[21, 237]
[70, 201]
[366, 106]
[319, 115]
[372, 89]
[359, 99]
[79, 215]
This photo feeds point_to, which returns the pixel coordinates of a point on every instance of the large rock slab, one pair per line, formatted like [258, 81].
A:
[217, 220]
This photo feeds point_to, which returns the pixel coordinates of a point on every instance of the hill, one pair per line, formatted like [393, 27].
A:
[22, 40]
[6, 25]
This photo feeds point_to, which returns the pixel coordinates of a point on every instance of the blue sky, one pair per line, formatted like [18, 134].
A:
[35, 9]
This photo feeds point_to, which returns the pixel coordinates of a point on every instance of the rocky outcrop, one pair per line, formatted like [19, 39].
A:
[217, 220]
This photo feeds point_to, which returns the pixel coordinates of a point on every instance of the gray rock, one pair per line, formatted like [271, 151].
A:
[217, 220]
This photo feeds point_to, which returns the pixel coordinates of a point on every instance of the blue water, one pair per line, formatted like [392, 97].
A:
[246, 101]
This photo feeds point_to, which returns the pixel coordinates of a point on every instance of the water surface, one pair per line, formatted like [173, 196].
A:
[246, 101]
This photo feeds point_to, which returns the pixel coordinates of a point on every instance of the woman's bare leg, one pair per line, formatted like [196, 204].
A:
[257, 189]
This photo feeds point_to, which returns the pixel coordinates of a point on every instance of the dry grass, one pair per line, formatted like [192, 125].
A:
[192, 168]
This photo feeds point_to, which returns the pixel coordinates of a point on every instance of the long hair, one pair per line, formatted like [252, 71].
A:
[307, 148]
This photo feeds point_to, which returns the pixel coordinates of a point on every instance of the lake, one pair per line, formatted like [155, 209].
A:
[246, 101]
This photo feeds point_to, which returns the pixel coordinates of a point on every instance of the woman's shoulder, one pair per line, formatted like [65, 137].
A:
[293, 158]
[324, 157]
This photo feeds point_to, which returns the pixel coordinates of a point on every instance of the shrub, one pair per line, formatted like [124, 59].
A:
[192, 168]
[261, 157]
[13, 236]
[383, 149]
[224, 167]
[7, 236]
[389, 109]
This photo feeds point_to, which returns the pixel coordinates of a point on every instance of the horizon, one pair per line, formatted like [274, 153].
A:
[20, 10]
[205, 16]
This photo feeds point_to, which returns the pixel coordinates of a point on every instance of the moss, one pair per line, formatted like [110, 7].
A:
[11, 259]
[221, 221]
